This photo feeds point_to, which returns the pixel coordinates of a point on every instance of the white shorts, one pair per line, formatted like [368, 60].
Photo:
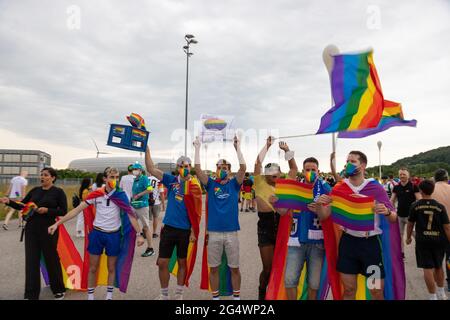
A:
[220, 241]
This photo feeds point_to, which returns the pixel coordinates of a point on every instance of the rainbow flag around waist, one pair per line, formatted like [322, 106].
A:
[292, 194]
[193, 202]
[355, 213]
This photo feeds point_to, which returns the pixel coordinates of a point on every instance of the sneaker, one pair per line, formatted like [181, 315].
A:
[155, 236]
[149, 252]
[162, 297]
[5, 227]
[442, 297]
[60, 296]
[246, 210]
[178, 296]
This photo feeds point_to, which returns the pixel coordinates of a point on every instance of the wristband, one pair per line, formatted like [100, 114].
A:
[289, 155]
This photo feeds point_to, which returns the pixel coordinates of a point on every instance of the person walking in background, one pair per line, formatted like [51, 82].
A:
[98, 183]
[405, 193]
[442, 195]
[51, 202]
[140, 203]
[82, 194]
[432, 238]
[126, 182]
[16, 192]
[246, 193]
[157, 203]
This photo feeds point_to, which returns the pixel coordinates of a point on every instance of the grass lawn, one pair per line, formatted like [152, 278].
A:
[69, 190]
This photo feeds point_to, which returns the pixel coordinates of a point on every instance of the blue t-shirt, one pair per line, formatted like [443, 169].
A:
[223, 211]
[176, 214]
[140, 184]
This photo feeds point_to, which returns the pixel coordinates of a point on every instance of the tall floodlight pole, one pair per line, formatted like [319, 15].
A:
[189, 39]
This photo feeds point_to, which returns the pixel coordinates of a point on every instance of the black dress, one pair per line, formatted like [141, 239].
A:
[38, 241]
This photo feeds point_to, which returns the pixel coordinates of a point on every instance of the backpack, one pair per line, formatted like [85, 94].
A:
[75, 200]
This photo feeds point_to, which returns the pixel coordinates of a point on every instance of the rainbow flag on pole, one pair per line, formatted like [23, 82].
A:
[353, 212]
[357, 94]
[292, 194]
[392, 117]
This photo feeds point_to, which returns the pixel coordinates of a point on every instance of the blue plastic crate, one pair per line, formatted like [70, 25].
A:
[127, 137]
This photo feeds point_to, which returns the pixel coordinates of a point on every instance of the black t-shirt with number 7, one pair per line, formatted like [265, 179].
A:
[430, 217]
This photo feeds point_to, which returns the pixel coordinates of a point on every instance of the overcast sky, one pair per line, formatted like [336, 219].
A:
[259, 62]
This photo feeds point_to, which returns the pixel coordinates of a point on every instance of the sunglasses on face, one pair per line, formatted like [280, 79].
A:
[186, 166]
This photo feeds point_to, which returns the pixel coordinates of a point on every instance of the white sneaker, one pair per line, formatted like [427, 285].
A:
[442, 297]
[178, 296]
[162, 297]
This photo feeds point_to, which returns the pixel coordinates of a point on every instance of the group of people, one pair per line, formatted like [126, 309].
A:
[424, 207]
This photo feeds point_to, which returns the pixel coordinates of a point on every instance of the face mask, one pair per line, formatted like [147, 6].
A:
[184, 172]
[135, 173]
[350, 170]
[310, 176]
[221, 174]
[112, 183]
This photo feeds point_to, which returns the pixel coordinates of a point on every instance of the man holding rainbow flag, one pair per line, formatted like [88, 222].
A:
[370, 240]
[178, 242]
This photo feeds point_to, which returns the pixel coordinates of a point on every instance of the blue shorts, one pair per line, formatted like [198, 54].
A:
[310, 253]
[98, 241]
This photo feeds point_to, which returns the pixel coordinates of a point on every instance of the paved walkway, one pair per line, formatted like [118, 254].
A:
[144, 283]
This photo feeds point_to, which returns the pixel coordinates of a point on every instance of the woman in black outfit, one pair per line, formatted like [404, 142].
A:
[51, 202]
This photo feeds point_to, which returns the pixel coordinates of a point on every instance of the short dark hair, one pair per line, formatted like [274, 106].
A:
[130, 168]
[427, 187]
[247, 174]
[362, 156]
[384, 177]
[441, 175]
[52, 172]
[311, 159]
[404, 169]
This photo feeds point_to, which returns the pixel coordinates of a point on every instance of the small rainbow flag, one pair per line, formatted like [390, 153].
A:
[352, 212]
[119, 130]
[357, 94]
[293, 195]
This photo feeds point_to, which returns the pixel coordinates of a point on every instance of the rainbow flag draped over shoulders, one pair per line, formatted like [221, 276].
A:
[128, 240]
[353, 212]
[394, 282]
[225, 285]
[292, 194]
[193, 202]
[392, 117]
[356, 92]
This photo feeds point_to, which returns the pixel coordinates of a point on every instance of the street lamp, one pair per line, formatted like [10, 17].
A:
[379, 157]
[189, 39]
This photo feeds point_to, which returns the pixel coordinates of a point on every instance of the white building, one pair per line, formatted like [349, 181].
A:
[121, 163]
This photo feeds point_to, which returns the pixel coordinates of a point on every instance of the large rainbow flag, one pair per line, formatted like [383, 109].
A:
[128, 240]
[225, 285]
[276, 289]
[292, 194]
[193, 202]
[394, 282]
[392, 117]
[353, 212]
[356, 92]
[70, 259]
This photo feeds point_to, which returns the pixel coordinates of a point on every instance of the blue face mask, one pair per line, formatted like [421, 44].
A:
[350, 170]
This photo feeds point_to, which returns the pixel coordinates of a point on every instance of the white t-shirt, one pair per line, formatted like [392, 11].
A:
[126, 184]
[107, 214]
[17, 183]
[157, 189]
